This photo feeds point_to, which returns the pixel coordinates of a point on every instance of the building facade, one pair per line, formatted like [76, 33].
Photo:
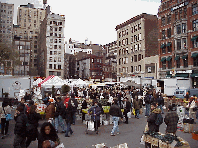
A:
[178, 40]
[28, 20]
[69, 49]
[137, 39]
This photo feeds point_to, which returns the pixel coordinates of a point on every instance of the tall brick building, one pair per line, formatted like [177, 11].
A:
[137, 40]
[178, 39]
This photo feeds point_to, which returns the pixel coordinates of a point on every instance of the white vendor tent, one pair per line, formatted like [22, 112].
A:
[56, 81]
[36, 82]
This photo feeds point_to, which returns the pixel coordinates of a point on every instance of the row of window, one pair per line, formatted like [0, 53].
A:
[4, 6]
[55, 46]
[134, 38]
[56, 23]
[56, 28]
[133, 69]
[133, 29]
[55, 66]
[134, 58]
[55, 59]
[124, 51]
[56, 35]
[55, 40]
[55, 53]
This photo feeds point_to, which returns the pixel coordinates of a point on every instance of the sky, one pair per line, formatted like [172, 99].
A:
[93, 19]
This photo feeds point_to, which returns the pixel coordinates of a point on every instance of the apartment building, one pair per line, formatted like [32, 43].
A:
[6, 23]
[137, 39]
[51, 45]
[28, 20]
[23, 49]
[69, 48]
[178, 39]
[110, 63]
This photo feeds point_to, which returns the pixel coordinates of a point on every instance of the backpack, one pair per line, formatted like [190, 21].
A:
[159, 119]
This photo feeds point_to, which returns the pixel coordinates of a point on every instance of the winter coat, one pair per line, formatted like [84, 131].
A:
[84, 104]
[151, 120]
[20, 126]
[95, 110]
[160, 101]
[68, 115]
[115, 111]
[50, 111]
[128, 106]
[60, 109]
[7, 111]
[73, 102]
[171, 120]
[33, 119]
[148, 99]
[137, 104]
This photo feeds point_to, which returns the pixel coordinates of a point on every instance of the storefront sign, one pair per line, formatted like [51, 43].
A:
[179, 6]
[187, 71]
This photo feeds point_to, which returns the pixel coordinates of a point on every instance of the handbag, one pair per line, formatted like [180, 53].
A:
[8, 116]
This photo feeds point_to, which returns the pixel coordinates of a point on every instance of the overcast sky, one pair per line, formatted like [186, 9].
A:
[93, 19]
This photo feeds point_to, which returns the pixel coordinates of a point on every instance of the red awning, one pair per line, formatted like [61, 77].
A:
[46, 79]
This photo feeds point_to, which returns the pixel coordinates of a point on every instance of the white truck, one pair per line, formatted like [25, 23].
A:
[13, 84]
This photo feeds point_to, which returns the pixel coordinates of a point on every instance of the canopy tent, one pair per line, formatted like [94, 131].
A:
[79, 83]
[56, 81]
[45, 80]
[36, 82]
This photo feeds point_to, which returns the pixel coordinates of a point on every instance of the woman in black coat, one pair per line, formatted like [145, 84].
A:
[33, 119]
[48, 136]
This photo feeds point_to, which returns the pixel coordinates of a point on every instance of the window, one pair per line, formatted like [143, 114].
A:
[178, 27]
[195, 61]
[178, 63]
[50, 52]
[54, 66]
[184, 43]
[169, 19]
[183, 28]
[135, 68]
[178, 44]
[163, 21]
[195, 43]
[139, 57]
[131, 39]
[163, 34]
[195, 25]
[50, 66]
[169, 32]
[169, 48]
[164, 64]
[140, 36]
[185, 62]
[59, 66]
[132, 59]
[55, 52]
[60, 28]
[170, 64]
[194, 9]
[185, 12]
[139, 67]
[135, 58]
[131, 68]
[55, 29]
[176, 15]
[55, 41]
[59, 40]
[180, 13]
[55, 46]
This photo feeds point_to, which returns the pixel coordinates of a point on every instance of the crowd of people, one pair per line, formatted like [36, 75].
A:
[61, 111]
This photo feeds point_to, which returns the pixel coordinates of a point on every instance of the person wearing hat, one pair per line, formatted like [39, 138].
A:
[95, 112]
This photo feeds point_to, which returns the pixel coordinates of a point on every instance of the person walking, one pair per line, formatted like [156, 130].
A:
[160, 101]
[127, 107]
[20, 127]
[50, 111]
[73, 102]
[68, 119]
[4, 110]
[115, 112]
[95, 112]
[137, 104]
[171, 119]
[32, 131]
[84, 106]
[60, 109]
[148, 100]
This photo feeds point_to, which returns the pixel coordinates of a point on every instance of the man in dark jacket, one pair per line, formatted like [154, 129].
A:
[171, 120]
[68, 119]
[137, 104]
[60, 109]
[20, 127]
[153, 127]
[95, 112]
[115, 112]
[73, 102]
[148, 101]
[84, 106]
[160, 101]
[127, 107]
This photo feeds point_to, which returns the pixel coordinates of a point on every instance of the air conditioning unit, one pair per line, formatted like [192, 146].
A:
[149, 69]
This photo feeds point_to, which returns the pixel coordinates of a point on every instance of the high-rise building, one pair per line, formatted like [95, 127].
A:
[178, 40]
[28, 20]
[6, 23]
[51, 45]
[137, 40]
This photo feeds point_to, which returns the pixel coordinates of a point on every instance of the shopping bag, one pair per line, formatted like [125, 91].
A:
[60, 146]
[133, 111]
[90, 126]
[129, 114]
